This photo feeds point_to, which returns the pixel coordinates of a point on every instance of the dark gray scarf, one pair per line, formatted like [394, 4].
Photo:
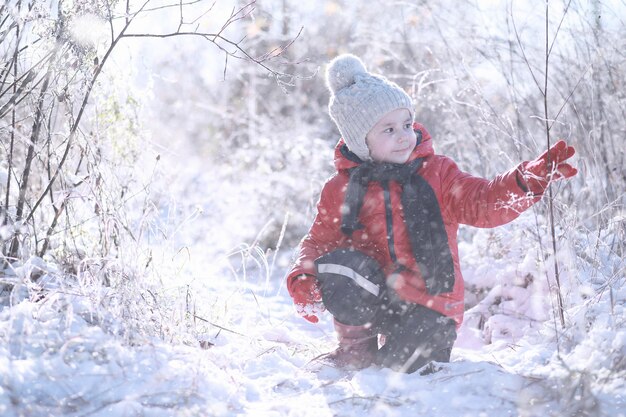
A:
[422, 216]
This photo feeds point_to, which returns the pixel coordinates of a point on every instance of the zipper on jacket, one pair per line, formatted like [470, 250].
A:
[389, 221]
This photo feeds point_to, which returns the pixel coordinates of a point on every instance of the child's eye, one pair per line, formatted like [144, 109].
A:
[408, 126]
[389, 130]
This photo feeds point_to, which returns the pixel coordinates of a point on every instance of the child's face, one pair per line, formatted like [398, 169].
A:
[392, 139]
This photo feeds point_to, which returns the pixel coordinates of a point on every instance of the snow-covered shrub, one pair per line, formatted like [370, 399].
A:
[512, 306]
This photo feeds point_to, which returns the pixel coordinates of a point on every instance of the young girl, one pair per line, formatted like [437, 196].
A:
[381, 255]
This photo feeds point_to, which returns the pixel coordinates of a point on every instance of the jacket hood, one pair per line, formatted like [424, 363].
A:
[424, 148]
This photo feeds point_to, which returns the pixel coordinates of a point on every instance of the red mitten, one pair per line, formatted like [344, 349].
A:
[534, 176]
[307, 297]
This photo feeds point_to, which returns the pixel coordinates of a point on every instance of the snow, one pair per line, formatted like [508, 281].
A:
[64, 355]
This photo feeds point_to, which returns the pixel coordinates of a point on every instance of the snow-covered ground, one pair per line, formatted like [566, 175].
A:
[246, 352]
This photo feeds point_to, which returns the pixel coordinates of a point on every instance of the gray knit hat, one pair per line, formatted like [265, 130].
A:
[359, 100]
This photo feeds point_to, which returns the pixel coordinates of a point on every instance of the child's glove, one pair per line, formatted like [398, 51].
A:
[534, 176]
[307, 297]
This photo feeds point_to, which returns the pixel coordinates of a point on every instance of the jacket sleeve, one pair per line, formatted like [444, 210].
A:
[325, 233]
[482, 203]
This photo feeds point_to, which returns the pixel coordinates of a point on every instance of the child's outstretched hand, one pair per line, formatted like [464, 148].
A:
[538, 173]
[307, 297]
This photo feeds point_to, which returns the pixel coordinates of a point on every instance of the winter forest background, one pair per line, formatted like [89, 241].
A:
[161, 160]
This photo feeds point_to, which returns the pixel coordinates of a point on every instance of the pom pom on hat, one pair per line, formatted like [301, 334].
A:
[358, 100]
[341, 71]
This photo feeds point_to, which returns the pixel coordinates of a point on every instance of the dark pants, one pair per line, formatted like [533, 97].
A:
[414, 335]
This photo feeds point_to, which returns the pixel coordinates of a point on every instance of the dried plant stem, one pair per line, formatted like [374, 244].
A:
[12, 135]
[238, 52]
[560, 308]
[548, 125]
[23, 186]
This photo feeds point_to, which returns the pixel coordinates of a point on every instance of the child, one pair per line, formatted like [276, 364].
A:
[381, 255]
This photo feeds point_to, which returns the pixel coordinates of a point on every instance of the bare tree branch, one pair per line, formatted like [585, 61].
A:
[197, 19]
[25, 84]
[214, 38]
[571, 93]
[558, 29]
[20, 93]
[74, 127]
[526, 61]
[548, 126]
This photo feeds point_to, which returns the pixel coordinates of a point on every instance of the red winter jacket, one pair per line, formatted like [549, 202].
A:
[463, 199]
